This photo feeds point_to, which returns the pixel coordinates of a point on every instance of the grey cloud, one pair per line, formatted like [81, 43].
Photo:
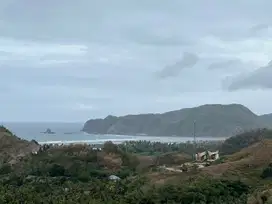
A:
[67, 81]
[126, 43]
[4, 53]
[57, 75]
[259, 27]
[258, 79]
[188, 60]
[241, 32]
[153, 40]
[227, 64]
[231, 66]
[262, 30]
[144, 34]
[93, 20]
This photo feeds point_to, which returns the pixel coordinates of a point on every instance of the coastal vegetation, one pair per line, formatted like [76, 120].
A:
[83, 174]
[153, 148]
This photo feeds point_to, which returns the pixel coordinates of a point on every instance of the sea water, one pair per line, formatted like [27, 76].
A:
[70, 133]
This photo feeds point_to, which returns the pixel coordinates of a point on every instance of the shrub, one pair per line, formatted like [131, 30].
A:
[6, 130]
[56, 170]
[5, 169]
[267, 173]
[110, 147]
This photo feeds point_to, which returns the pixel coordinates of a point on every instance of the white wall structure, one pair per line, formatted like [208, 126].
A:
[201, 156]
[213, 155]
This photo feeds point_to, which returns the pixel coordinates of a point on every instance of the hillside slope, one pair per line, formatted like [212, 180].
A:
[245, 139]
[13, 148]
[256, 156]
[211, 120]
[266, 119]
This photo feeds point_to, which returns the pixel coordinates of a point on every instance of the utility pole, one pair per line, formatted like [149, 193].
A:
[194, 131]
[194, 134]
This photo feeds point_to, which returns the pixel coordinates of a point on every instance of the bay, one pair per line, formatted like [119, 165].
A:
[70, 133]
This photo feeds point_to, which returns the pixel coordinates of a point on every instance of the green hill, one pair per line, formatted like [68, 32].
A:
[266, 119]
[211, 120]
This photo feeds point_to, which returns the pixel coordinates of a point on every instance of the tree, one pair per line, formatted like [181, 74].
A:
[56, 170]
[110, 147]
[267, 173]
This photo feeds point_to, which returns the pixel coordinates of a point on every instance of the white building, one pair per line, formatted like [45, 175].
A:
[212, 156]
[201, 156]
[207, 156]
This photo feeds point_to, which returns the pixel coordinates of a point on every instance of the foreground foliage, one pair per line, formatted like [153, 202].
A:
[137, 190]
[80, 174]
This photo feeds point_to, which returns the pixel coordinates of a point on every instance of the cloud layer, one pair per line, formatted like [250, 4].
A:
[257, 79]
[188, 60]
[71, 61]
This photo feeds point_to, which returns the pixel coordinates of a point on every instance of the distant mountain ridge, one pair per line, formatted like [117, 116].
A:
[214, 120]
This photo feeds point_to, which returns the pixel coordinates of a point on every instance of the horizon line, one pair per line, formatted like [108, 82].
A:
[66, 122]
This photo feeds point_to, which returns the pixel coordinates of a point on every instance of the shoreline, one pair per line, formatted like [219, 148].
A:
[137, 138]
[171, 136]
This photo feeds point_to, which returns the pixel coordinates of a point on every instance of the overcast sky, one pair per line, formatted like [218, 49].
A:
[70, 60]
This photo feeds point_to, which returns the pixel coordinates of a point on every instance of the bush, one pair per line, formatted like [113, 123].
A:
[98, 173]
[110, 147]
[124, 172]
[84, 176]
[130, 161]
[267, 173]
[5, 169]
[6, 130]
[56, 170]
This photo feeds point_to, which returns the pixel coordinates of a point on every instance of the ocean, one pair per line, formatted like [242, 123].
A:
[70, 133]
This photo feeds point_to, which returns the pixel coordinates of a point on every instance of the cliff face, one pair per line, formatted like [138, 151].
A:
[211, 120]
